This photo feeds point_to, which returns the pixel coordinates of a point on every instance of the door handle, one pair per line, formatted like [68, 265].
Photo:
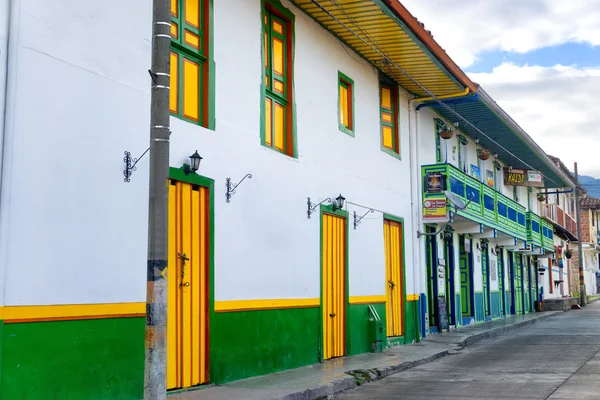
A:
[183, 258]
[392, 284]
[332, 315]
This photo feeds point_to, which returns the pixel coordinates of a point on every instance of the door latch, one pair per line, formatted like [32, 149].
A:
[392, 284]
[332, 315]
[183, 258]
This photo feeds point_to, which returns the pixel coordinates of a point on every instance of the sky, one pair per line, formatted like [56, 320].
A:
[540, 61]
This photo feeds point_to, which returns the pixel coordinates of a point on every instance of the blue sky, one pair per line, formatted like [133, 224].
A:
[582, 55]
[538, 59]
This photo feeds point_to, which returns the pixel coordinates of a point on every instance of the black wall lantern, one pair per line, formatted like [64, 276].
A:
[339, 202]
[195, 160]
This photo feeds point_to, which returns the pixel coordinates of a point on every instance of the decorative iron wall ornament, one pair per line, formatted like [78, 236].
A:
[130, 164]
[357, 220]
[230, 190]
[311, 206]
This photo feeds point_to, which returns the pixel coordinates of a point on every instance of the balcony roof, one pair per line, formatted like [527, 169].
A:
[488, 117]
[383, 29]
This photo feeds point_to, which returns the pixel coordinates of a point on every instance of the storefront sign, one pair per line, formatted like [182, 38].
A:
[434, 211]
[435, 182]
[523, 177]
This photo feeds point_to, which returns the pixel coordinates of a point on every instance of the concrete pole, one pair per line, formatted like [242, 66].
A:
[155, 367]
[582, 295]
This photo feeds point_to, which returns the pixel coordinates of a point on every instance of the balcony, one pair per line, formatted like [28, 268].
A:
[555, 214]
[491, 208]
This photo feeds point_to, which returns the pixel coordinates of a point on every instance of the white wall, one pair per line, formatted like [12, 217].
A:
[78, 232]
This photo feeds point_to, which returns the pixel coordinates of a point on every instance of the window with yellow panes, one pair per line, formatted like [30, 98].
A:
[277, 127]
[389, 118]
[346, 104]
[189, 60]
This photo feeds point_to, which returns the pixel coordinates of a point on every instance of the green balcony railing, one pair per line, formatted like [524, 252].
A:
[487, 206]
[547, 235]
[534, 229]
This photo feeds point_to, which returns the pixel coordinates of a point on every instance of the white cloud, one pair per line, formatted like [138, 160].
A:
[468, 28]
[556, 106]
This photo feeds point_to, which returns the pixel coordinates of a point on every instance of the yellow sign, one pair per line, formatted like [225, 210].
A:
[434, 210]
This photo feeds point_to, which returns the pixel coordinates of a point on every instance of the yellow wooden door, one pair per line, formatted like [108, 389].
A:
[333, 267]
[187, 323]
[392, 231]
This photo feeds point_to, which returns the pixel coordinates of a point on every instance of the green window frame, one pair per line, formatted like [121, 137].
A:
[278, 131]
[345, 104]
[388, 115]
[192, 65]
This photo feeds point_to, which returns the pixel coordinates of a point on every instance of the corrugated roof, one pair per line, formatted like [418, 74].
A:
[378, 32]
[488, 117]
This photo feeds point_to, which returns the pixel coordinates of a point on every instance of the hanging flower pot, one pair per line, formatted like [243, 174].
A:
[541, 197]
[569, 254]
[446, 133]
[483, 154]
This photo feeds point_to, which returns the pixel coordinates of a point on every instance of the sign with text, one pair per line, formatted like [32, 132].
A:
[435, 182]
[523, 177]
[434, 211]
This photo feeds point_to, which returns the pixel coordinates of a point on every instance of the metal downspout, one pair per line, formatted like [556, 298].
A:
[414, 205]
[453, 100]
[448, 96]
[10, 10]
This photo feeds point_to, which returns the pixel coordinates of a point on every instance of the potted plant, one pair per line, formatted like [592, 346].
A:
[568, 254]
[483, 154]
[446, 133]
[541, 197]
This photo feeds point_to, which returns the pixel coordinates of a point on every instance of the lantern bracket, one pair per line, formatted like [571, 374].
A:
[311, 206]
[357, 220]
[130, 164]
[230, 190]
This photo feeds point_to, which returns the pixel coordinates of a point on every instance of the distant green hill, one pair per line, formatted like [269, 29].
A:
[592, 185]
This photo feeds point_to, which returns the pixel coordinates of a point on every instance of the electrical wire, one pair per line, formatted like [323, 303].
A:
[404, 72]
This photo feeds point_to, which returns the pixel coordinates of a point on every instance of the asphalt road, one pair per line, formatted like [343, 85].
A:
[558, 358]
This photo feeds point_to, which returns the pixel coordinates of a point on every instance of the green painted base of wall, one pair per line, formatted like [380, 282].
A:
[495, 304]
[357, 340]
[72, 360]
[479, 313]
[411, 322]
[250, 343]
[457, 309]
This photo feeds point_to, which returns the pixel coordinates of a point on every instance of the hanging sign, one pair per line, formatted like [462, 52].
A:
[475, 173]
[434, 211]
[435, 182]
[523, 177]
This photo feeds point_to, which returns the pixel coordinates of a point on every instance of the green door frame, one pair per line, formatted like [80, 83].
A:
[178, 174]
[329, 209]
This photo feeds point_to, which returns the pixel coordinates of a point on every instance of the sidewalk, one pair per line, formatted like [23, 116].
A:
[321, 380]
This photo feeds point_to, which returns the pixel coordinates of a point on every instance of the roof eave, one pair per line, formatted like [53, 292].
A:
[421, 33]
[519, 132]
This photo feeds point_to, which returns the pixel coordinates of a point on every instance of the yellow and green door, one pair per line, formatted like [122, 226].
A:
[189, 288]
[394, 275]
[333, 283]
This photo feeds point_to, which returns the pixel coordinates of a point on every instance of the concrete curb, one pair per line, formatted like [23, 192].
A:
[362, 376]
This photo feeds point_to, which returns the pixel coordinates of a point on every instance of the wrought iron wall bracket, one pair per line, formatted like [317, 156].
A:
[311, 207]
[130, 164]
[357, 220]
[230, 190]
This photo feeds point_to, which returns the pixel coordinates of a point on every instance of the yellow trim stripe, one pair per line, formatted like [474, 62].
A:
[71, 311]
[268, 304]
[109, 310]
[367, 299]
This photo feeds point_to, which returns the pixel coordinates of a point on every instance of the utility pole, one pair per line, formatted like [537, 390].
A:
[582, 295]
[155, 367]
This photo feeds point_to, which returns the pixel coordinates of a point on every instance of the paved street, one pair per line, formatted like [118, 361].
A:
[558, 358]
